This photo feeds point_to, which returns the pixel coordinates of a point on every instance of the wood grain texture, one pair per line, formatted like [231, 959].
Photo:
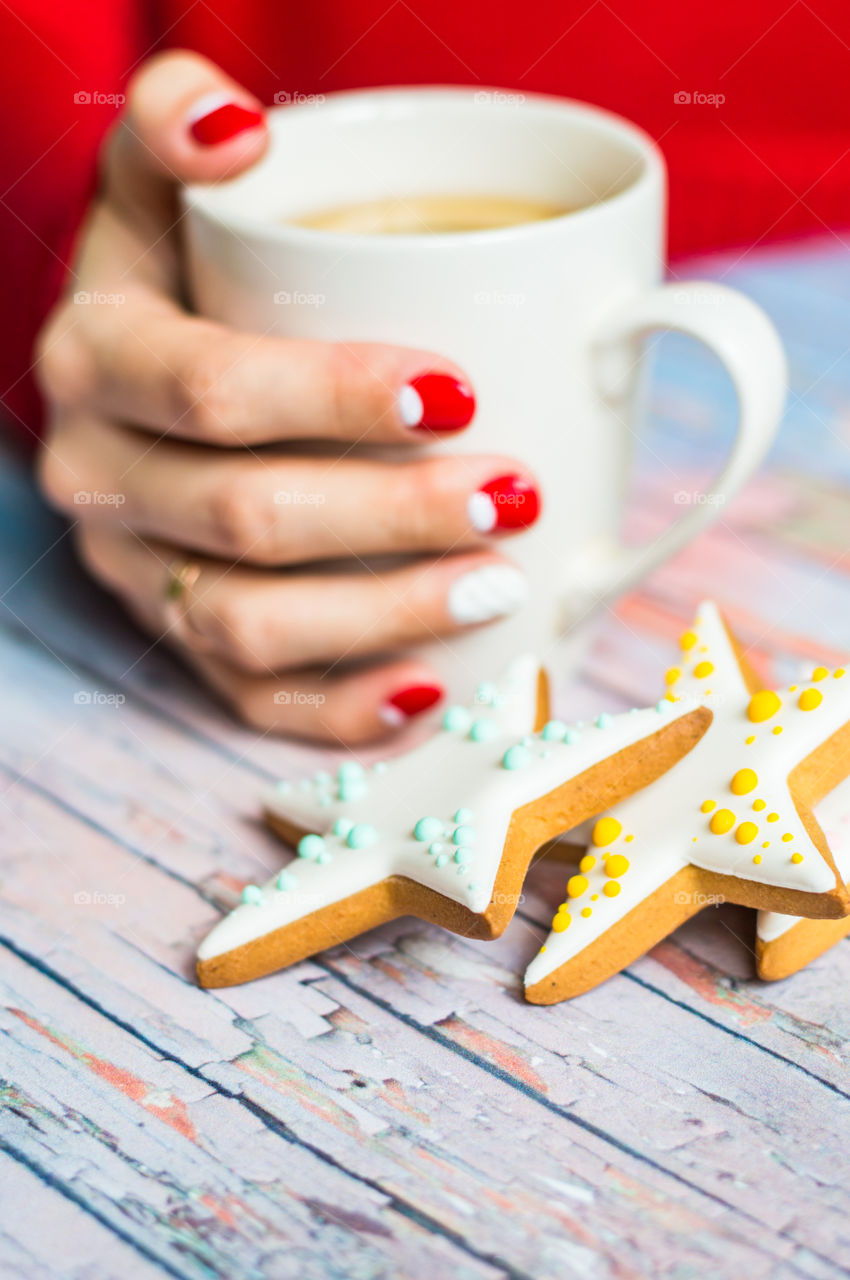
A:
[393, 1107]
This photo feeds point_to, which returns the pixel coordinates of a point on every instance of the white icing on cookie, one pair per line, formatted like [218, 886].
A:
[725, 807]
[833, 815]
[457, 779]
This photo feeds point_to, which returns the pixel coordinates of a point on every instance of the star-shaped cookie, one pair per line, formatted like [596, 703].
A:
[445, 832]
[785, 944]
[731, 821]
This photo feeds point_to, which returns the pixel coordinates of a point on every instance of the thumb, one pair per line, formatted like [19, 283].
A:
[184, 121]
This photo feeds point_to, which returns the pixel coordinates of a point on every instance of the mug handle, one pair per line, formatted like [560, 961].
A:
[744, 339]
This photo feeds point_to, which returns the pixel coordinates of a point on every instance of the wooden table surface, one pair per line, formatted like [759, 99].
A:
[392, 1107]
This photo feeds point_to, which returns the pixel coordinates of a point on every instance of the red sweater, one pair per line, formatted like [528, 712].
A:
[771, 160]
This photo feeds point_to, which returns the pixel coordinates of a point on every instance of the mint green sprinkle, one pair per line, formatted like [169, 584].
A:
[663, 706]
[285, 880]
[516, 758]
[483, 730]
[436, 848]
[282, 787]
[380, 766]
[252, 895]
[553, 731]
[571, 737]
[324, 857]
[342, 826]
[427, 829]
[604, 721]
[361, 835]
[464, 835]
[456, 719]
[322, 778]
[310, 846]
[442, 860]
[462, 854]
[350, 769]
[462, 815]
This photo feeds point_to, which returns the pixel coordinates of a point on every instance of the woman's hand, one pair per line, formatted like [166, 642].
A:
[154, 449]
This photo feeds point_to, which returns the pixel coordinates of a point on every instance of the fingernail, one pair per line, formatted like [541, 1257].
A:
[409, 702]
[508, 502]
[489, 592]
[215, 118]
[436, 402]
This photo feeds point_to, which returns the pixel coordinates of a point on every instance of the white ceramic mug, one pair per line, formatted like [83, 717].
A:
[547, 318]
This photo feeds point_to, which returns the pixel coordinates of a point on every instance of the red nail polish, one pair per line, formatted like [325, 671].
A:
[508, 502]
[410, 702]
[436, 402]
[224, 122]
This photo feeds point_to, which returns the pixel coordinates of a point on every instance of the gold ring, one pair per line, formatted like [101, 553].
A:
[182, 576]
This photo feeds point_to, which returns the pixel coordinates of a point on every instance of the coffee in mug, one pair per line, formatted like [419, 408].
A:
[429, 215]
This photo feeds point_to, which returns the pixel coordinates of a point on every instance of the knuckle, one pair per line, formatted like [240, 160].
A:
[241, 519]
[209, 399]
[355, 398]
[241, 638]
[58, 479]
[423, 498]
[64, 367]
[93, 550]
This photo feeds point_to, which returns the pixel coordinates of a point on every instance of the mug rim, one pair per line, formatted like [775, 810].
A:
[200, 198]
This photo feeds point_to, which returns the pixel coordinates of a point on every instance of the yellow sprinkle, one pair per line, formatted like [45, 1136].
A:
[576, 886]
[703, 669]
[687, 640]
[611, 889]
[758, 805]
[744, 781]
[542, 949]
[587, 863]
[756, 858]
[606, 831]
[763, 705]
[672, 675]
[707, 691]
[671, 697]
[746, 833]
[628, 839]
[695, 838]
[749, 741]
[594, 897]
[796, 857]
[778, 729]
[792, 688]
[787, 837]
[708, 805]
[562, 921]
[820, 673]
[723, 821]
[773, 817]
[809, 699]
[766, 844]
[616, 865]
[587, 911]
[838, 673]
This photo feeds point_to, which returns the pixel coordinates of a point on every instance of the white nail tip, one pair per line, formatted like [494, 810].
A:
[391, 716]
[410, 406]
[482, 594]
[481, 510]
[206, 105]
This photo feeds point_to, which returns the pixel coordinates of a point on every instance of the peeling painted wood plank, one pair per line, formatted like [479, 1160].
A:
[310, 1089]
[195, 1179]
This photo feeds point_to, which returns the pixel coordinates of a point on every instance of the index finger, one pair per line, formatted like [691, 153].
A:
[159, 368]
